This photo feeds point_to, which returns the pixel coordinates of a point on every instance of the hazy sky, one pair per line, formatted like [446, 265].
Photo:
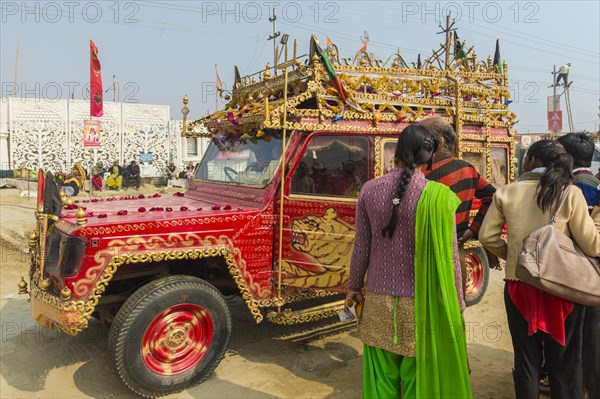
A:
[162, 50]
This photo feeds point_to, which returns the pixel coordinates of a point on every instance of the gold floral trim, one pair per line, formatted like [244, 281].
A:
[213, 247]
[288, 317]
[220, 247]
[135, 227]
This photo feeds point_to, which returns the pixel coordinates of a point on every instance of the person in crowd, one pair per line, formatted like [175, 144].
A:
[302, 183]
[320, 176]
[74, 183]
[464, 180]
[133, 175]
[581, 147]
[98, 175]
[347, 183]
[189, 170]
[171, 171]
[542, 325]
[115, 179]
[563, 73]
[405, 244]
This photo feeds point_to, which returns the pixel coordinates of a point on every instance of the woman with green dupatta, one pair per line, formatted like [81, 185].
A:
[405, 243]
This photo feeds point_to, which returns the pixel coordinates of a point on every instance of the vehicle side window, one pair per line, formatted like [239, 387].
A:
[332, 166]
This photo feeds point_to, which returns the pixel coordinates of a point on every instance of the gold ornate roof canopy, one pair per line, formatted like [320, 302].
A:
[379, 94]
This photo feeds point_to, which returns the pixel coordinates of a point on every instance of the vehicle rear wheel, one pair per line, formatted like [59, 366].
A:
[478, 275]
[170, 335]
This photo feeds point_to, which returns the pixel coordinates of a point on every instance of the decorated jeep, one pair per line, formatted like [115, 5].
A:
[269, 214]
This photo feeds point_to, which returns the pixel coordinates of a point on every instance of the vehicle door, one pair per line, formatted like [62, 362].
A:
[319, 223]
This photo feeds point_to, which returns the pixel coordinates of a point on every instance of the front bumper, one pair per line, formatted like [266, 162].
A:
[50, 311]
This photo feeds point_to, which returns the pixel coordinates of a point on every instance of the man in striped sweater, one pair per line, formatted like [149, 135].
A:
[463, 179]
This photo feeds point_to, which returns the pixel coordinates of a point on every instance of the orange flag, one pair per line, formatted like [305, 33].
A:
[365, 40]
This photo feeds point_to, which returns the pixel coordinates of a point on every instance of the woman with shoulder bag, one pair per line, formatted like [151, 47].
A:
[542, 325]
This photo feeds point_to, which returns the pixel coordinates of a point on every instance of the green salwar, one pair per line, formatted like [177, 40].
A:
[388, 375]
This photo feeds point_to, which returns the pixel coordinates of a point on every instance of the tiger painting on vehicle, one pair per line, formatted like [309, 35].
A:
[329, 242]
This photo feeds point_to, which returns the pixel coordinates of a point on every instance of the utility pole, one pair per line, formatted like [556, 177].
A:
[447, 30]
[16, 68]
[113, 87]
[274, 36]
[554, 99]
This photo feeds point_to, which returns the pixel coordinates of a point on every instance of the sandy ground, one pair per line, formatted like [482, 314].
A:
[264, 361]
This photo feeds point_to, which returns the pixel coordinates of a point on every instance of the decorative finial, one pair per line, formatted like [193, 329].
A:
[267, 74]
[69, 201]
[81, 219]
[23, 286]
[185, 99]
[45, 284]
[315, 57]
[33, 239]
[65, 294]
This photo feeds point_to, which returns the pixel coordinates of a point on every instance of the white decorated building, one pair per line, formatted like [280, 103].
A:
[49, 134]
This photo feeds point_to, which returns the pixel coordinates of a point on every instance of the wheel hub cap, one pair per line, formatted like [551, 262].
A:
[474, 274]
[177, 339]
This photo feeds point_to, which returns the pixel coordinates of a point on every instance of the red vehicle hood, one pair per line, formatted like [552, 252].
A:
[126, 210]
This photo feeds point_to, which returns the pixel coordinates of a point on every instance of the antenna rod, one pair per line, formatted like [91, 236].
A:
[274, 36]
[447, 31]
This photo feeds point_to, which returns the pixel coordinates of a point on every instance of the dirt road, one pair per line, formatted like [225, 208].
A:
[264, 361]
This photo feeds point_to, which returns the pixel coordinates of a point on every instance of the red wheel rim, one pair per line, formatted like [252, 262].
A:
[474, 274]
[177, 339]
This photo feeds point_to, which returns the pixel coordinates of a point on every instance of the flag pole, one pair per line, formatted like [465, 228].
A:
[90, 171]
[219, 88]
[285, 66]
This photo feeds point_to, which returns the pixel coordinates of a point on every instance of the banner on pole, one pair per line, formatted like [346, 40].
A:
[91, 133]
[553, 103]
[96, 102]
[555, 120]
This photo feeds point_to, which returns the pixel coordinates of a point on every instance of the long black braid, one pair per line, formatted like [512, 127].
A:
[415, 147]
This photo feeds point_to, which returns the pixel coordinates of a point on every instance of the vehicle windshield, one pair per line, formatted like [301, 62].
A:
[243, 162]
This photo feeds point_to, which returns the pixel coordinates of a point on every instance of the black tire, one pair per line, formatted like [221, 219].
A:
[478, 275]
[155, 318]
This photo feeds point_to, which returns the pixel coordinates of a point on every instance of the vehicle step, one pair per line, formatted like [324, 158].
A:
[307, 315]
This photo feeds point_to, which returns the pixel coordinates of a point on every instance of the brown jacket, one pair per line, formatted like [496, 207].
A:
[515, 205]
